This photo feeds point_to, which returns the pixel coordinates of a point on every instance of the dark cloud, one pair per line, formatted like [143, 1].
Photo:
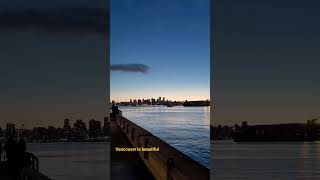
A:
[74, 20]
[139, 68]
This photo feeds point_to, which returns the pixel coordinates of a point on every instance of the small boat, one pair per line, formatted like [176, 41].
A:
[169, 105]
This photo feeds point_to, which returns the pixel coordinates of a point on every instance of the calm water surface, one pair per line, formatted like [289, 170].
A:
[265, 161]
[72, 161]
[185, 128]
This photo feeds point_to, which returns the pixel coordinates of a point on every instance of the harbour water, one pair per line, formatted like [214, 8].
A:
[265, 161]
[237, 161]
[185, 128]
[72, 160]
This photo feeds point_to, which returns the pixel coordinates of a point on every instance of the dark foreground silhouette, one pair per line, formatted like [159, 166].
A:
[14, 157]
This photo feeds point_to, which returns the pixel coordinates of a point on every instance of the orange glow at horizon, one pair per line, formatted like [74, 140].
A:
[173, 98]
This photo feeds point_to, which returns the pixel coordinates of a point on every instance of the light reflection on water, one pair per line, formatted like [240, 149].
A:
[278, 160]
[72, 161]
[185, 128]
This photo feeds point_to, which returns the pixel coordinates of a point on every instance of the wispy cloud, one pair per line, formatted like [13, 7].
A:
[74, 20]
[135, 68]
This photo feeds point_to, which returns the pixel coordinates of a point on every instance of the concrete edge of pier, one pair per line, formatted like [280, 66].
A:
[166, 164]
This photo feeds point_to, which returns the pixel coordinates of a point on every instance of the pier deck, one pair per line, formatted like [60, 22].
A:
[3, 176]
[125, 165]
[24, 173]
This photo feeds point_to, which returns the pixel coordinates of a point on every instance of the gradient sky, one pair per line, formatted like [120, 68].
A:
[267, 66]
[171, 37]
[52, 65]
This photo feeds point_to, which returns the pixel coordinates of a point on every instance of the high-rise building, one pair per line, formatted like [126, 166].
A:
[10, 130]
[153, 101]
[79, 131]
[52, 133]
[94, 128]
[26, 134]
[39, 134]
[66, 124]
[105, 131]
[67, 129]
[1, 133]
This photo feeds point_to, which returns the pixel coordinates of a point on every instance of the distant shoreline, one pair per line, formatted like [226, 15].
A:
[107, 139]
[66, 142]
[157, 106]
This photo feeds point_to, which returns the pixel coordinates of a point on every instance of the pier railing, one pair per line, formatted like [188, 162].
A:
[26, 173]
[32, 172]
[166, 164]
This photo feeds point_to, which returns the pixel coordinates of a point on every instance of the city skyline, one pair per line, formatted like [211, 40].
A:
[76, 130]
[170, 51]
[22, 126]
[56, 123]
[154, 101]
[188, 98]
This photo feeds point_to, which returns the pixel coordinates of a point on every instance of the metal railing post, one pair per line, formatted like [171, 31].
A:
[146, 144]
[132, 134]
[170, 165]
[128, 129]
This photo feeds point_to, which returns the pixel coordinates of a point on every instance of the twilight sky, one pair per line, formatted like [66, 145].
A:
[267, 66]
[171, 38]
[53, 62]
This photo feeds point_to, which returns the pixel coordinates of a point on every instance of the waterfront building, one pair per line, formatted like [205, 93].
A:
[67, 129]
[153, 101]
[26, 134]
[278, 132]
[196, 103]
[10, 130]
[39, 134]
[220, 132]
[52, 134]
[94, 128]
[105, 129]
[79, 131]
